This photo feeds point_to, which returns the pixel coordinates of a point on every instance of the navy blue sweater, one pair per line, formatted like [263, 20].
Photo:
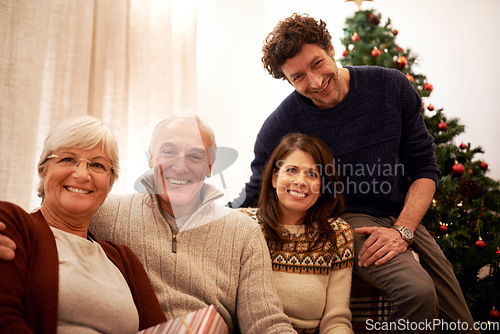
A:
[377, 135]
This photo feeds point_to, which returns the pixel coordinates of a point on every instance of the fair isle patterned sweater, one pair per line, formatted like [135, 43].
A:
[315, 291]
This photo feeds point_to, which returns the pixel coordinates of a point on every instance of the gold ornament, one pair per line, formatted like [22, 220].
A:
[358, 2]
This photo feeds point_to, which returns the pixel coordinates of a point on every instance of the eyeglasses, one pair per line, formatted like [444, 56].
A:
[97, 166]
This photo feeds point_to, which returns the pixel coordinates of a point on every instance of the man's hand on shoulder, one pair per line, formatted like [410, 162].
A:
[7, 246]
[382, 245]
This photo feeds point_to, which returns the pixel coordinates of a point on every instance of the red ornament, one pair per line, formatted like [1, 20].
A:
[402, 61]
[428, 87]
[443, 228]
[345, 53]
[458, 169]
[480, 244]
[410, 77]
[430, 107]
[376, 52]
[494, 314]
[442, 126]
[355, 37]
[470, 171]
[498, 252]
[395, 32]
[400, 49]
[483, 165]
[462, 146]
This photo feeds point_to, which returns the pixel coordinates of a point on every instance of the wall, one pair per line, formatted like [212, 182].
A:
[453, 39]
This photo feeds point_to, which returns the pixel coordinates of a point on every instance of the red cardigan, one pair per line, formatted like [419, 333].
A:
[29, 283]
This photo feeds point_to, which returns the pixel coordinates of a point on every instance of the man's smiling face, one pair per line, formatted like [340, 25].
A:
[314, 74]
[181, 163]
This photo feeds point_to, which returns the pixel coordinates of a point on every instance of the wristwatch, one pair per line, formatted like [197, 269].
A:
[405, 232]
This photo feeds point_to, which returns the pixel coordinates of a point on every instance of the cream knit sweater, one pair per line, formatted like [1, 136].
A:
[222, 261]
[315, 292]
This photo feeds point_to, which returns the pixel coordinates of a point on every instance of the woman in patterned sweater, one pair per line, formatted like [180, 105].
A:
[311, 248]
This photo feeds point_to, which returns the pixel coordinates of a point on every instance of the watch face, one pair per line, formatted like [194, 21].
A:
[407, 233]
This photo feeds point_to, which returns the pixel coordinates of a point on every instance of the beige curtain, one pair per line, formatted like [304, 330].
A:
[129, 62]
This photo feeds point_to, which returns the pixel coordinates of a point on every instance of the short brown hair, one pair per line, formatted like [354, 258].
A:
[329, 205]
[288, 38]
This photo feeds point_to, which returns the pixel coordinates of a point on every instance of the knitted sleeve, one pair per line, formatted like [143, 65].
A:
[14, 273]
[259, 307]
[28, 284]
[417, 144]
[337, 315]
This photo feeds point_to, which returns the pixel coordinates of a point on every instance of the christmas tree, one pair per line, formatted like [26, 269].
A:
[464, 214]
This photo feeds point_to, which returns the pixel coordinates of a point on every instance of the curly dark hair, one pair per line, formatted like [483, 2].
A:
[287, 39]
[329, 205]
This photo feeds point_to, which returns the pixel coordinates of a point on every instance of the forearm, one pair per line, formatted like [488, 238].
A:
[385, 243]
[337, 315]
[417, 202]
[259, 308]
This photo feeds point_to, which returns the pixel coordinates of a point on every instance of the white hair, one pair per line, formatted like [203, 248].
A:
[205, 130]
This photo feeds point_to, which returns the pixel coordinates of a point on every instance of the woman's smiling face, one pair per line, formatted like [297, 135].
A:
[297, 183]
[76, 191]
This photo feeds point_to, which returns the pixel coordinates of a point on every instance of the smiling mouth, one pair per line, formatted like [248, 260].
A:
[77, 190]
[177, 181]
[323, 89]
[297, 194]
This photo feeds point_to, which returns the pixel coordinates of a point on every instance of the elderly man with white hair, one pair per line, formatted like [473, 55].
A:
[196, 253]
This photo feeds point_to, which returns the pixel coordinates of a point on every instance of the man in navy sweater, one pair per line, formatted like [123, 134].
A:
[371, 119]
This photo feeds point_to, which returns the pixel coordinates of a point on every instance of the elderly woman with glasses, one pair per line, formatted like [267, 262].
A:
[62, 279]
